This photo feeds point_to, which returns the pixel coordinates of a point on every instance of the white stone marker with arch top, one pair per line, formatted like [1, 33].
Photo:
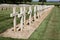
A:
[14, 14]
[30, 14]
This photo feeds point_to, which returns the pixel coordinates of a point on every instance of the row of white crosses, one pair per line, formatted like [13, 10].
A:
[22, 15]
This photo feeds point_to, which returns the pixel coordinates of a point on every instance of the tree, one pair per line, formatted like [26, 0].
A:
[42, 1]
[14, 1]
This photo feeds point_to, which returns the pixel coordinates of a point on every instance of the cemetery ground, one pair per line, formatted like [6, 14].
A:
[48, 30]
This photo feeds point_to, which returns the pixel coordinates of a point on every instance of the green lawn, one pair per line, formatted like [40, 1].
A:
[53, 3]
[46, 3]
[48, 30]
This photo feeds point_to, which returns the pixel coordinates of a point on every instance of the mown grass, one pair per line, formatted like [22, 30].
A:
[45, 3]
[52, 3]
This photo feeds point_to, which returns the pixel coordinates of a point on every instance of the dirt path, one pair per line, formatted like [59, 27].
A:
[28, 30]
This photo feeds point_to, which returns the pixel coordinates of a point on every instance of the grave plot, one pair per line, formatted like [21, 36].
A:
[23, 30]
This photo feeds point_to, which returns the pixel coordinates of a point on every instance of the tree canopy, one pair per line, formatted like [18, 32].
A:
[14, 1]
[18, 1]
[42, 0]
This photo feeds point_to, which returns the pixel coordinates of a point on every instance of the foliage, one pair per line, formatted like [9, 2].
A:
[14, 1]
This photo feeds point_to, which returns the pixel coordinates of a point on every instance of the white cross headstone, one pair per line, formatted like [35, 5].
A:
[38, 9]
[22, 20]
[30, 15]
[35, 10]
[14, 14]
[24, 14]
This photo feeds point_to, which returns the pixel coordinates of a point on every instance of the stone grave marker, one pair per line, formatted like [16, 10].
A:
[30, 15]
[24, 14]
[35, 10]
[22, 19]
[38, 10]
[14, 14]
